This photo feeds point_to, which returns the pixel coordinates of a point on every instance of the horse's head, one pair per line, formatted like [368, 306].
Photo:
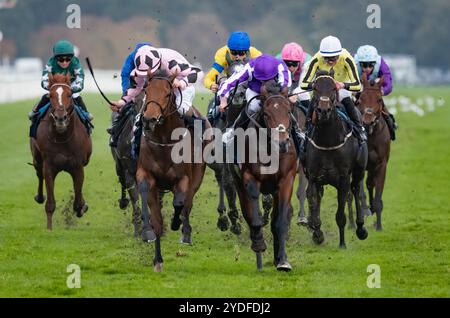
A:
[370, 102]
[324, 95]
[160, 99]
[61, 100]
[276, 111]
[235, 66]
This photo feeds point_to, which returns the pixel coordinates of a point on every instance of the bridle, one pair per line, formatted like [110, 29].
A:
[67, 115]
[370, 111]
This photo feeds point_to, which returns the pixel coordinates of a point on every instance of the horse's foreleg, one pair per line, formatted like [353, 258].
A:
[186, 229]
[144, 185]
[222, 221]
[133, 193]
[351, 221]
[179, 199]
[301, 196]
[343, 190]
[156, 222]
[230, 191]
[380, 177]
[313, 193]
[357, 177]
[49, 176]
[280, 223]
[79, 205]
[267, 203]
[40, 197]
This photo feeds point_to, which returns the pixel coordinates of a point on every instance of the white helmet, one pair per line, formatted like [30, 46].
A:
[330, 46]
[366, 53]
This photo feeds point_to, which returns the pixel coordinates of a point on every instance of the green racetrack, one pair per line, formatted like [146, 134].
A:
[412, 251]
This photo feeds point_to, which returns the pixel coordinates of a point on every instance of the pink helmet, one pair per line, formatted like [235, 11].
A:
[293, 52]
[147, 58]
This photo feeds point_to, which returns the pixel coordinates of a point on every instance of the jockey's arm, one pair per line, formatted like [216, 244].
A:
[353, 84]
[127, 68]
[44, 79]
[77, 85]
[220, 65]
[307, 80]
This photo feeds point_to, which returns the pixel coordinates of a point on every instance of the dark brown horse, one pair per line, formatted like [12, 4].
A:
[370, 104]
[333, 156]
[156, 169]
[62, 144]
[251, 180]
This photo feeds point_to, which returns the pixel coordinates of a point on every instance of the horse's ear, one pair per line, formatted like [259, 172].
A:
[50, 79]
[331, 73]
[68, 78]
[364, 79]
[285, 91]
[264, 90]
[381, 81]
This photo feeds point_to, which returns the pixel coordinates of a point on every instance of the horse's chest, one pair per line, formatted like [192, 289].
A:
[325, 170]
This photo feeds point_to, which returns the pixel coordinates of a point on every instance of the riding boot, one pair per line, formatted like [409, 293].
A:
[79, 102]
[298, 135]
[392, 125]
[136, 139]
[241, 121]
[305, 105]
[45, 99]
[355, 118]
[113, 130]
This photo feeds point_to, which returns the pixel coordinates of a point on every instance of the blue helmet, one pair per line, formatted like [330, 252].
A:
[239, 41]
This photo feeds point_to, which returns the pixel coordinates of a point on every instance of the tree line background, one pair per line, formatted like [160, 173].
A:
[197, 28]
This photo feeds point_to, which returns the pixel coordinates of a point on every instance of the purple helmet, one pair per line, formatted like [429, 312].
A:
[266, 67]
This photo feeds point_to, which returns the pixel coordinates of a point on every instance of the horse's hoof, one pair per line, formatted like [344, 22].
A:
[123, 203]
[186, 239]
[223, 223]
[362, 233]
[284, 266]
[259, 246]
[39, 199]
[148, 235]
[236, 229]
[379, 228]
[175, 224]
[158, 267]
[303, 221]
[318, 237]
[367, 212]
[342, 246]
[82, 211]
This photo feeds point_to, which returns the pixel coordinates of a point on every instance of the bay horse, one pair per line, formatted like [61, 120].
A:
[125, 164]
[156, 169]
[333, 156]
[62, 144]
[251, 181]
[370, 104]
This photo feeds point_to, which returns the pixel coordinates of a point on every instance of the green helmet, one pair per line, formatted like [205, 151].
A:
[63, 47]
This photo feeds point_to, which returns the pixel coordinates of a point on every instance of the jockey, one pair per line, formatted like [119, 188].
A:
[257, 71]
[373, 65]
[297, 62]
[128, 67]
[238, 48]
[151, 59]
[333, 56]
[63, 61]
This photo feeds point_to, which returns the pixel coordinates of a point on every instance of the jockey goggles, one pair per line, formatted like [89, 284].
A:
[236, 52]
[64, 58]
[291, 63]
[367, 64]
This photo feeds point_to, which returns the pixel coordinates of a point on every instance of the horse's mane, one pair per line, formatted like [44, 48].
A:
[59, 78]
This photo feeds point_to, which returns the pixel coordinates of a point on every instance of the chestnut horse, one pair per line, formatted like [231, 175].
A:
[370, 104]
[62, 144]
[251, 180]
[333, 156]
[156, 169]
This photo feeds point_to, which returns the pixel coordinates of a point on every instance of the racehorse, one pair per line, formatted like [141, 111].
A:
[250, 179]
[221, 172]
[62, 144]
[333, 156]
[370, 104]
[300, 116]
[156, 169]
[125, 164]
